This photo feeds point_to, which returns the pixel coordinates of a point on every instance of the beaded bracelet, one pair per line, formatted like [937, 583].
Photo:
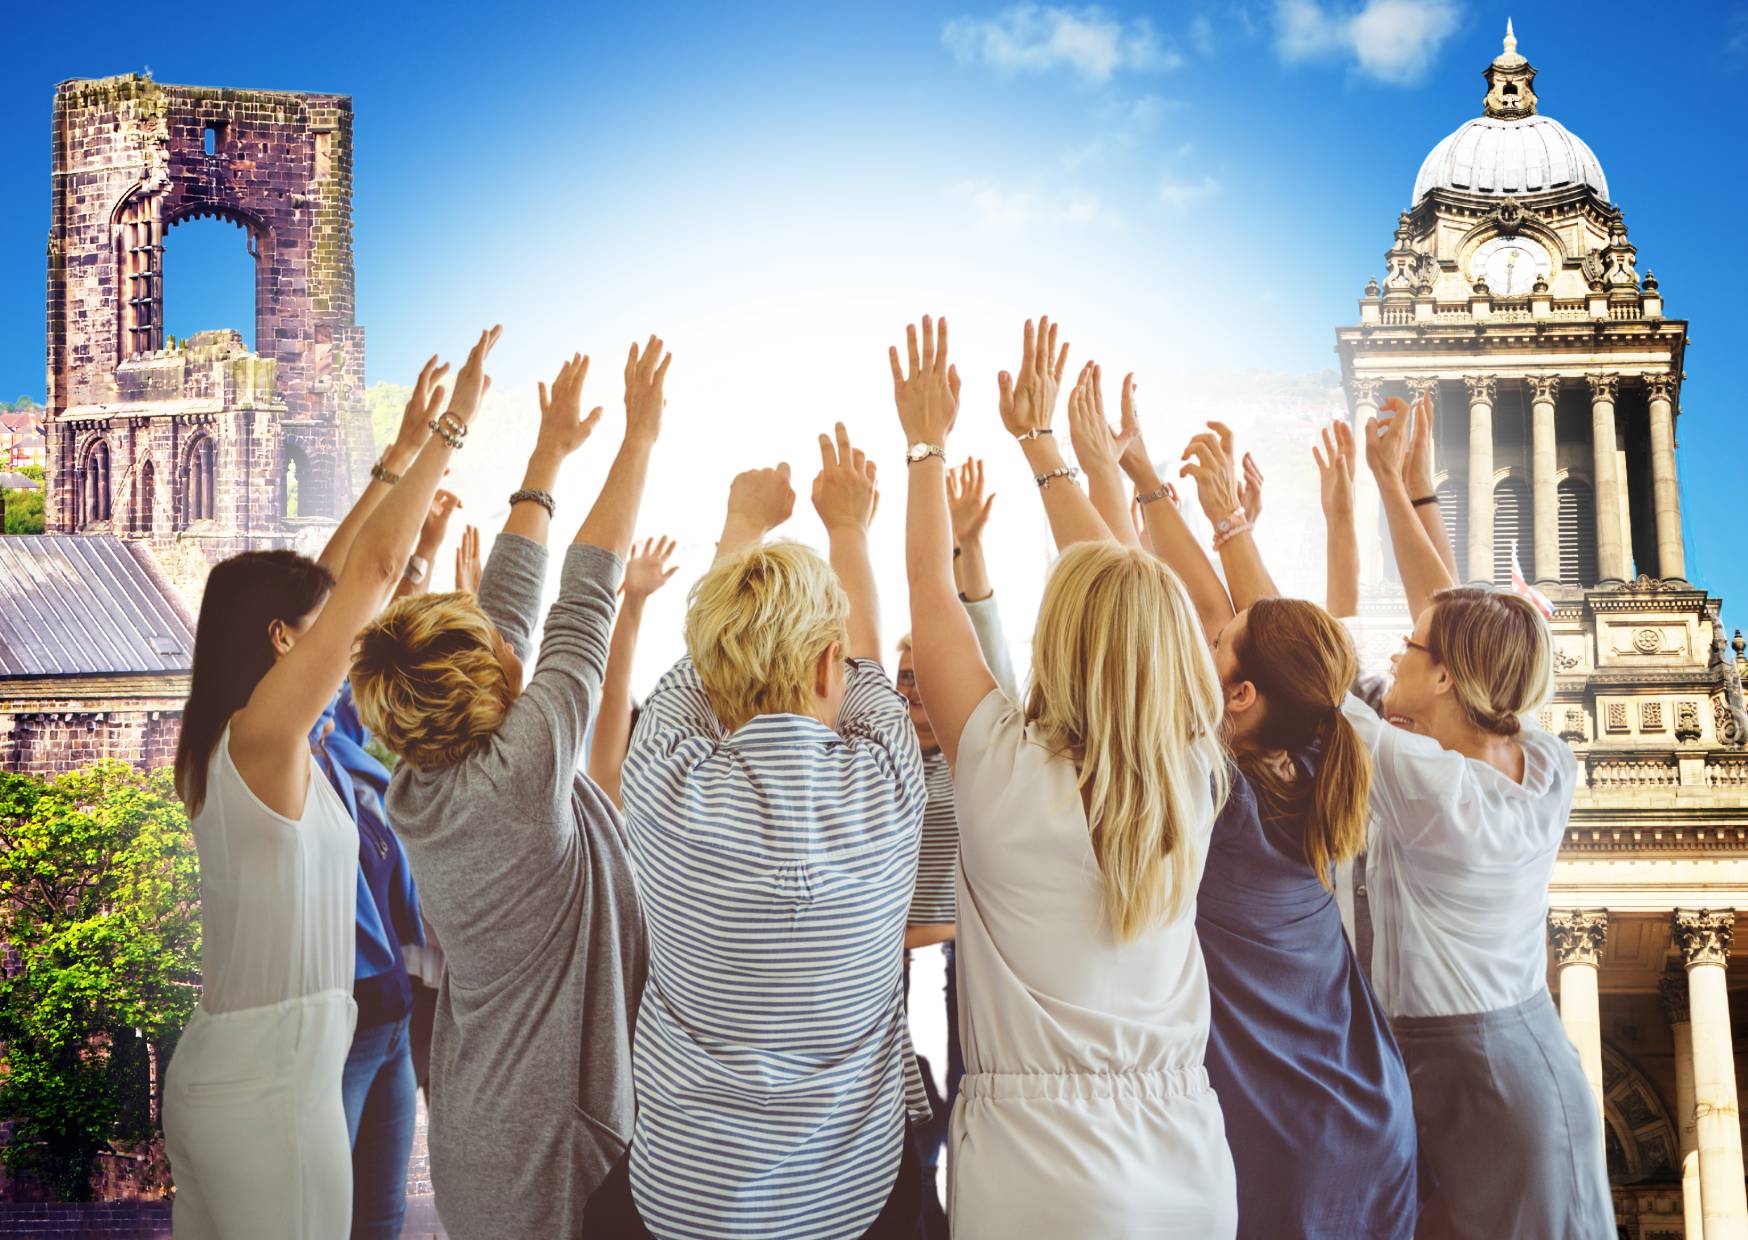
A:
[449, 437]
[531, 496]
[386, 476]
[1065, 471]
[1226, 536]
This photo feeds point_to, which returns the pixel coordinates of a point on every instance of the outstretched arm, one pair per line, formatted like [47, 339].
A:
[949, 666]
[1417, 475]
[270, 735]
[1098, 450]
[431, 536]
[646, 572]
[1167, 532]
[1213, 468]
[759, 500]
[845, 496]
[968, 510]
[1417, 559]
[1028, 401]
[1335, 472]
[614, 514]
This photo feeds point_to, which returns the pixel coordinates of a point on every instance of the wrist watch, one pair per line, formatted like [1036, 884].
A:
[923, 451]
[417, 567]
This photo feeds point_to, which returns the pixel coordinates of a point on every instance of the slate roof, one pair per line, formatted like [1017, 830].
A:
[84, 605]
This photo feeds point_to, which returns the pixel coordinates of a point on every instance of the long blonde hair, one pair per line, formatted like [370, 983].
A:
[1499, 650]
[1123, 684]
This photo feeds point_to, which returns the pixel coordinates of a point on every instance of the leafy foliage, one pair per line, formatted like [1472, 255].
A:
[386, 402]
[101, 927]
[24, 512]
[23, 404]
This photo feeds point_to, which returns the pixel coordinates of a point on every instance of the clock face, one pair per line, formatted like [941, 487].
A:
[1510, 265]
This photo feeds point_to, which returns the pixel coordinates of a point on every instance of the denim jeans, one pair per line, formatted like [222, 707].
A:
[378, 1090]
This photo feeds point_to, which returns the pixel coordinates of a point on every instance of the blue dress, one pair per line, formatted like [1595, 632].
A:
[1310, 1080]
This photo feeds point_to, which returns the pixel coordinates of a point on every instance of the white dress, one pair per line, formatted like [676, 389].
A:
[253, 1122]
[1085, 1109]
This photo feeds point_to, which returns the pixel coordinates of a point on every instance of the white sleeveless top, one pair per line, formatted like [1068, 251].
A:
[278, 897]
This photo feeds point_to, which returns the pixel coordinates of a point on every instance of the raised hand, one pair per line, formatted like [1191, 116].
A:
[436, 526]
[1095, 447]
[762, 498]
[1215, 473]
[1028, 397]
[645, 373]
[1417, 468]
[469, 568]
[844, 491]
[927, 393]
[1387, 443]
[1133, 455]
[422, 406]
[472, 383]
[967, 506]
[646, 568]
[563, 429]
[1335, 469]
[1250, 489]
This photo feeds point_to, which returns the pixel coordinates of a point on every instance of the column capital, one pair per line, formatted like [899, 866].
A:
[1703, 934]
[1424, 385]
[1660, 386]
[1578, 935]
[1674, 990]
[1481, 388]
[1364, 390]
[1603, 386]
[1544, 387]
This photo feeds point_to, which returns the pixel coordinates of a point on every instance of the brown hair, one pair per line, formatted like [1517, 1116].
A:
[1499, 650]
[1302, 661]
[428, 681]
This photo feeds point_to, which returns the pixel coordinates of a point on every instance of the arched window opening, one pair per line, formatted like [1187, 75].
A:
[94, 493]
[1577, 525]
[1510, 506]
[209, 278]
[198, 481]
[144, 498]
[294, 483]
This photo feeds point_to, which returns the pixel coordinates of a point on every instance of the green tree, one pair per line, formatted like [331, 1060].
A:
[102, 926]
[35, 473]
[386, 401]
[24, 512]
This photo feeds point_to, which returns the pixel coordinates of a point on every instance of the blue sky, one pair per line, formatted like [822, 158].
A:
[1195, 189]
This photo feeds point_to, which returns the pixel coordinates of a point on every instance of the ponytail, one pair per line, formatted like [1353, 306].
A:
[1339, 798]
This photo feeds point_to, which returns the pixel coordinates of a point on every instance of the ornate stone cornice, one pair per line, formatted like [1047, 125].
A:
[1365, 391]
[1603, 386]
[1578, 935]
[1481, 388]
[1703, 934]
[1673, 987]
[1660, 386]
[1544, 387]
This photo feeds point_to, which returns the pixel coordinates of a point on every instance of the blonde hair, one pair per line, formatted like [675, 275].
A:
[1122, 683]
[904, 645]
[428, 681]
[756, 626]
[1499, 650]
[1302, 662]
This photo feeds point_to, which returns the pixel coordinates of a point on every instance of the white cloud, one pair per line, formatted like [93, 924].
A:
[1202, 34]
[1037, 38]
[1179, 195]
[1389, 40]
[1012, 209]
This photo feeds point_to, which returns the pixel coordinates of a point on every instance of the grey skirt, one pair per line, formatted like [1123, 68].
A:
[1510, 1134]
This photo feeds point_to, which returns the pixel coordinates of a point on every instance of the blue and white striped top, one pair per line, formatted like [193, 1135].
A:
[775, 868]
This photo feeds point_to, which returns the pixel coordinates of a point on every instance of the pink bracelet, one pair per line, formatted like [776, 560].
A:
[1226, 536]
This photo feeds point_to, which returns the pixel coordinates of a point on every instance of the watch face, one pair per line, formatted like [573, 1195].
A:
[1510, 265]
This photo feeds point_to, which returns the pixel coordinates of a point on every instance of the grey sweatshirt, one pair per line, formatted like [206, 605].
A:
[524, 873]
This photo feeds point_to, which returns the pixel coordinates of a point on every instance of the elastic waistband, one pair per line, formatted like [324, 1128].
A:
[1536, 1006]
[316, 999]
[1052, 1086]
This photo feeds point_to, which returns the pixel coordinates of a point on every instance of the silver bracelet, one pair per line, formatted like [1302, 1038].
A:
[531, 496]
[1151, 496]
[1034, 433]
[448, 436]
[1065, 471]
[384, 475]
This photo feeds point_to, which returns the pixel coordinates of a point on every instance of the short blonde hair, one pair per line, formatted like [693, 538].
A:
[756, 626]
[428, 681]
[1499, 650]
[904, 645]
[1123, 683]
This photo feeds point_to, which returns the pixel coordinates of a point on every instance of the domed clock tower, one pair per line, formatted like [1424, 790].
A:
[1513, 293]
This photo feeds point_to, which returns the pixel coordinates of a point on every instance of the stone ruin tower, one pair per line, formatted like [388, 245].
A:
[201, 447]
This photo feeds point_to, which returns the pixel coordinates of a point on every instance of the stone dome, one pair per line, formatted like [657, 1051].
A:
[1496, 157]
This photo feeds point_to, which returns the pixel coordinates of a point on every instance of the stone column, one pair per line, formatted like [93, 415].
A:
[1545, 500]
[1578, 936]
[1480, 565]
[1666, 496]
[1674, 990]
[1367, 504]
[1611, 554]
[1704, 938]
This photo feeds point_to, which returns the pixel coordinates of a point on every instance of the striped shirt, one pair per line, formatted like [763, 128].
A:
[775, 867]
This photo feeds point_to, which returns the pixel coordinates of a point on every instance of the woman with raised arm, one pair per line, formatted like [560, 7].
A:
[774, 797]
[1300, 1051]
[521, 859]
[1470, 800]
[279, 870]
[1084, 816]
[645, 572]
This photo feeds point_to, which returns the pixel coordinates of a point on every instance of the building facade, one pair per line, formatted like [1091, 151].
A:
[1512, 293]
[201, 447]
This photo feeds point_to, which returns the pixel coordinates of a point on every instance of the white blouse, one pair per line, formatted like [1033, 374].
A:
[1457, 868]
